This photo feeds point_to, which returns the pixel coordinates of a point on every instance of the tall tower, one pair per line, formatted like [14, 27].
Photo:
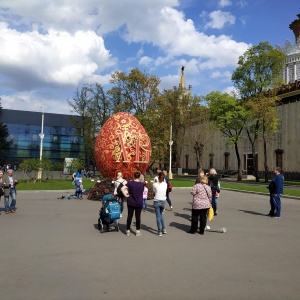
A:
[183, 89]
[291, 72]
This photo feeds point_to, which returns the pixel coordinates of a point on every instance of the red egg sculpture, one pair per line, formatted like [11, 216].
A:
[122, 145]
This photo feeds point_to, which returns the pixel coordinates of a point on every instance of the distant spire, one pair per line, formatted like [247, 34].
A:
[182, 83]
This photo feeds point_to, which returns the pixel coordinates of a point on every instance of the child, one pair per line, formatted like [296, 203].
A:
[145, 196]
[78, 191]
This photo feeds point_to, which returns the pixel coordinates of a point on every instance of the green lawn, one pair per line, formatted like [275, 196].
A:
[66, 184]
[52, 184]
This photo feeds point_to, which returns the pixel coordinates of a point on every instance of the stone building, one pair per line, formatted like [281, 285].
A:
[282, 148]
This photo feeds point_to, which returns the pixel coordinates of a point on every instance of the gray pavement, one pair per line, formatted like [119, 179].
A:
[51, 249]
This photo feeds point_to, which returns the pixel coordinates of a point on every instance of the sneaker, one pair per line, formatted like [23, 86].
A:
[164, 231]
[171, 207]
[138, 233]
[159, 234]
[276, 217]
[12, 211]
[7, 211]
[127, 232]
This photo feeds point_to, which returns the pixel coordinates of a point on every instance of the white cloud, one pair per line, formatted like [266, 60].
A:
[223, 3]
[242, 3]
[54, 44]
[31, 102]
[57, 58]
[146, 61]
[219, 19]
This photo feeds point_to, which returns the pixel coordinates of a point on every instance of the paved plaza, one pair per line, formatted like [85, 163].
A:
[51, 249]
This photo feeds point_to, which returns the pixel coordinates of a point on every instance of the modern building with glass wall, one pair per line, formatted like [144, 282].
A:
[61, 137]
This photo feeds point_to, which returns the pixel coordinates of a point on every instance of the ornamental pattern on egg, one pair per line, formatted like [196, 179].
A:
[122, 145]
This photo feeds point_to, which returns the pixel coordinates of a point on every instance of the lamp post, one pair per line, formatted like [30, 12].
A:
[41, 145]
[170, 143]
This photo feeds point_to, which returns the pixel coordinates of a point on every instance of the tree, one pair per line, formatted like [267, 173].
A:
[228, 115]
[93, 105]
[4, 141]
[31, 167]
[133, 92]
[259, 70]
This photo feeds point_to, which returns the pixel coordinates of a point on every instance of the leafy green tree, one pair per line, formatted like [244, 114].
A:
[134, 92]
[228, 115]
[259, 70]
[31, 167]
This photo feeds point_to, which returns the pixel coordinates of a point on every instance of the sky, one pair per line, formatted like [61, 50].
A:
[50, 48]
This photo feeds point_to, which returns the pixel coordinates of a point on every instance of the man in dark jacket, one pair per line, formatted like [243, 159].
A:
[276, 189]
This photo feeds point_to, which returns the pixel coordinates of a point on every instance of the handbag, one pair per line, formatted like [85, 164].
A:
[210, 216]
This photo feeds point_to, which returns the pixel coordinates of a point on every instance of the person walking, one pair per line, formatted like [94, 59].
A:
[202, 200]
[9, 184]
[159, 189]
[135, 202]
[276, 190]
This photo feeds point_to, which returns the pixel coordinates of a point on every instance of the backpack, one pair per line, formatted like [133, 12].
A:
[119, 189]
[170, 186]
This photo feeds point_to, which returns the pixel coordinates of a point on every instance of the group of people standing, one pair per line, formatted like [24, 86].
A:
[137, 199]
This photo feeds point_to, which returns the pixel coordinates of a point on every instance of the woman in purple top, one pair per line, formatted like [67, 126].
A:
[135, 202]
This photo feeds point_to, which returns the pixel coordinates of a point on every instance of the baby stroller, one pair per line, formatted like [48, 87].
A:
[109, 213]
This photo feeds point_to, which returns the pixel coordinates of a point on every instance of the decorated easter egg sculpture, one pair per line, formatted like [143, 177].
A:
[122, 145]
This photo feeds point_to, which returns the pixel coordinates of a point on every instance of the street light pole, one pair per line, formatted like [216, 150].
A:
[170, 143]
[41, 145]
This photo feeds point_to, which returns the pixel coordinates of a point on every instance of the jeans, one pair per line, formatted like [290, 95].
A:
[12, 206]
[272, 210]
[169, 200]
[121, 202]
[159, 207]
[145, 203]
[214, 203]
[277, 204]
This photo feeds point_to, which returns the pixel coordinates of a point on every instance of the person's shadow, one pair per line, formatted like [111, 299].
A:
[251, 212]
[182, 227]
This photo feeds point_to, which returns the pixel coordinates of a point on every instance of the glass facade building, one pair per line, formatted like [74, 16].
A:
[61, 138]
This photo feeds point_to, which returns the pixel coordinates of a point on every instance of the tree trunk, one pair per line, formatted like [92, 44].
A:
[239, 178]
[265, 156]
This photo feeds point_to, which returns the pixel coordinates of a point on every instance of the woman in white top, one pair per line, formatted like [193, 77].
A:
[160, 190]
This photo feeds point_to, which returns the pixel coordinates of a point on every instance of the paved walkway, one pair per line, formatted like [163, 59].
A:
[51, 249]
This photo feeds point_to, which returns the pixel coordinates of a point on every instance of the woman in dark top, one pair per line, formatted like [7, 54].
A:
[135, 202]
[213, 183]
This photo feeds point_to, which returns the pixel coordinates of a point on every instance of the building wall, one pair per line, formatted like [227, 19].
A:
[286, 139]
[61, 138]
